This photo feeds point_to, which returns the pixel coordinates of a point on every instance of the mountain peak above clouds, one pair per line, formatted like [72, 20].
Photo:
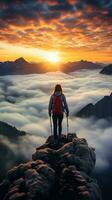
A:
[107, 70]
[82, 64]
[102, 109]
[21, 60]
[11, 132]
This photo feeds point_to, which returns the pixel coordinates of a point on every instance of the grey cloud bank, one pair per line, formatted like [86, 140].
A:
[31, 96]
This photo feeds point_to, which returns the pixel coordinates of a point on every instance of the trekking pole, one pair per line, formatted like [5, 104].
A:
[51, 124]
[67, 125]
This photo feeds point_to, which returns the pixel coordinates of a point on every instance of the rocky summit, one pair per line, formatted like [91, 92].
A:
[59, 170]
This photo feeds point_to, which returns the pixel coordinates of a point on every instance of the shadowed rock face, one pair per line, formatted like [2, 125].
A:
[59, 170]
[107, 70]
[102, 109]
[8, 158]
[10, 132]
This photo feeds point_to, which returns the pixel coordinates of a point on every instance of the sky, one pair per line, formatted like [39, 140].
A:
[67, 30]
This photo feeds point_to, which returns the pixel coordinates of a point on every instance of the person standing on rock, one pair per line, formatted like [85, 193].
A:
[57, 107]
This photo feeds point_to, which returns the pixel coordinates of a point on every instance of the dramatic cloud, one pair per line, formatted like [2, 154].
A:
[66, 25]
[24, 103]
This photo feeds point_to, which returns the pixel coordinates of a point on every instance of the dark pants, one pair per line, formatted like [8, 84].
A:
[57, 124]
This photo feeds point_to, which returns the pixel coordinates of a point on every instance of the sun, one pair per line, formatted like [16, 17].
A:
[53, 57]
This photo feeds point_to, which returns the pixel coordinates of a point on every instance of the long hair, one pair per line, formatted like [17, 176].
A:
[58, 88]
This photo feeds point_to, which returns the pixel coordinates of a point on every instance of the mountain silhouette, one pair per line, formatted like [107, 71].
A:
[9, 137]
[21, 66]
[21, 60]
[12, 133]
[18, 67]
[57, 171]
[107, 70]
[83, 64]
[102, 109]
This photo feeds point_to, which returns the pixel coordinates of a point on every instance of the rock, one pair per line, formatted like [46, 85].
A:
[61, 171]
[87, 111]
[18, 196]
[107, 70]
[40, 181]
[102, 109]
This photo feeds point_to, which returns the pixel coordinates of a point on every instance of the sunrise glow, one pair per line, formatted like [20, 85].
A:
[52, 57]
[41, 34]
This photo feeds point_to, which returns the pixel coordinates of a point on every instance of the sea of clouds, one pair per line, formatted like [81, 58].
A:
[24, 104]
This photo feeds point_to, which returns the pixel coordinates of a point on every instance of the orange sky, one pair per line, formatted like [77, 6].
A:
[75, 30]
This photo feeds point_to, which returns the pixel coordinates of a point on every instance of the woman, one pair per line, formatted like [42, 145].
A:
[57, 106]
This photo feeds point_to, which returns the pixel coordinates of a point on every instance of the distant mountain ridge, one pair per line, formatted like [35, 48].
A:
[21, 66]
[83, 64]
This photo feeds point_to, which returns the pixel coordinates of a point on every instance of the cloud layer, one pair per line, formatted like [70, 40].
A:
[66, 24]
[24, 102]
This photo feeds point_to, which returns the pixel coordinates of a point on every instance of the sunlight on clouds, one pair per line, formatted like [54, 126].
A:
[46, 26]
[10, 51]
[39, 54]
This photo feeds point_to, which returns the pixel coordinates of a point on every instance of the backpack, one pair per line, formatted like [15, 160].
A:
[57, 104]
